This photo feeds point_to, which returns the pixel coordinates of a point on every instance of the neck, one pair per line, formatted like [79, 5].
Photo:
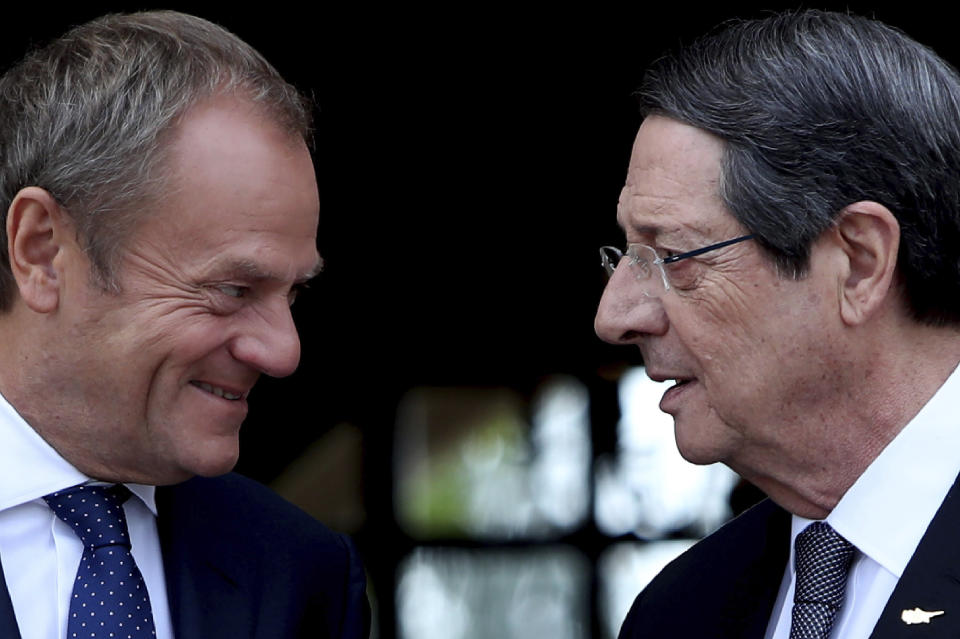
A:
[29, 352]
[873, 402]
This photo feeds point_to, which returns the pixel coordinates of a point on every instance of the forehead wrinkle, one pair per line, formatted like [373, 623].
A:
[670, 209]
[662, 209]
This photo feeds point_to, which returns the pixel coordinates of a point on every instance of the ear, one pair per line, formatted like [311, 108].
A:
[35, 231]
[868, 235]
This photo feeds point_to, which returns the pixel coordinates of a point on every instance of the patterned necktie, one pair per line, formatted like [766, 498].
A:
[109, 596]
[823, 559]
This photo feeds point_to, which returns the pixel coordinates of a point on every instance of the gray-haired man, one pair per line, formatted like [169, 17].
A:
[792, 217]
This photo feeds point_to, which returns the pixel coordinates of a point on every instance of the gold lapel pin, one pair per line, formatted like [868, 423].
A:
[917, 615]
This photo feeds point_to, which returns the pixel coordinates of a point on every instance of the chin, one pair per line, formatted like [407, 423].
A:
[698, 457]
[215, 467]
[696, 448]
[211, 460]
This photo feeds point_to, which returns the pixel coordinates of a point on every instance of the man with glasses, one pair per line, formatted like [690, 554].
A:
[792, 263]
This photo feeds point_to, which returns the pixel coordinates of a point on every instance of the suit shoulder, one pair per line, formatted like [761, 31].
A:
[302, 579]
[301, 575]
[239, 505]
[741, 564]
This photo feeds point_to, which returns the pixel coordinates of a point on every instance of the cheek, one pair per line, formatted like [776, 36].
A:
[150, 364]
[168, 331]
[720, 332]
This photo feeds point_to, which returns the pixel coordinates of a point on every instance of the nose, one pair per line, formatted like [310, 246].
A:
[625, 313]
[269, 341]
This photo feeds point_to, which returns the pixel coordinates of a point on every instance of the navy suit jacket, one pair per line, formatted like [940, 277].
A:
[241, 563]
[726, 585]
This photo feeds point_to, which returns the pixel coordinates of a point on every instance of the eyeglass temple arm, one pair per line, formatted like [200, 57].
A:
[706, 249]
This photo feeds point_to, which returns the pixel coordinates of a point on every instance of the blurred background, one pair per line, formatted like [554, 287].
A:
[503, 472]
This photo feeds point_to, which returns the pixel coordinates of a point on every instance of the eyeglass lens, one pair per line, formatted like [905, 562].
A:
[642, 261]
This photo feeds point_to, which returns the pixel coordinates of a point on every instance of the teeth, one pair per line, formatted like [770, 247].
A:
[219, 392]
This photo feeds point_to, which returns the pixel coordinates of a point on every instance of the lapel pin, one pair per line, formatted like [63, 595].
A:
[917, 615]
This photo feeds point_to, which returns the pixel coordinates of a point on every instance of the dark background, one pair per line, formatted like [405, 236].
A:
[469, 162]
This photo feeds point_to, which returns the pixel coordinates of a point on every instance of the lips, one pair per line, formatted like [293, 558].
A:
[659, 376]
[672, 399]
[219, 391]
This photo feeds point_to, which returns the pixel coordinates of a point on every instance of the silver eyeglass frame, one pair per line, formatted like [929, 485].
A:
[642, 256]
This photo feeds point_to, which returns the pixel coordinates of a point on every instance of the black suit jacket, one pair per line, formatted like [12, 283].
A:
[726, 585]
[241, 563]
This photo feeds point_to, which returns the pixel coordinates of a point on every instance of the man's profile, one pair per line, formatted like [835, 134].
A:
[792, 262]
[160, 213]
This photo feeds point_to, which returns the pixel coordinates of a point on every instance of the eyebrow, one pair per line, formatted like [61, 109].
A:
[648, 229]
[254, 271]
[313, 272]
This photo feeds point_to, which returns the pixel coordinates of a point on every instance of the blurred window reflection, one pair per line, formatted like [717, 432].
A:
[649, 489]
[470, 463]
[515, 593]
[480, 472]
[625, 569]
[560, 469]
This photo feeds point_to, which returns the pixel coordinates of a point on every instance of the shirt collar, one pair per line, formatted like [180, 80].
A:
[887, 510]
[30, 468]
[147, 495]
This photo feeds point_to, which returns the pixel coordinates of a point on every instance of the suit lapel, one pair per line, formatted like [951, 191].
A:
[722, 588]
[8, 621]
[206, 598]
[931, 580]
[752, 595]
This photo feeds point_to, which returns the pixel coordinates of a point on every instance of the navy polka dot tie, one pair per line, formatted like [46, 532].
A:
[823, 559]
[109, 596]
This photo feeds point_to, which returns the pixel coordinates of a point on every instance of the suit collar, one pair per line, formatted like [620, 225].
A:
[8, 620]
[207, 600]
[931, 580]
[753, 593]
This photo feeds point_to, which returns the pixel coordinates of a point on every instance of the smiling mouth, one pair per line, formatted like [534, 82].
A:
[219, 392]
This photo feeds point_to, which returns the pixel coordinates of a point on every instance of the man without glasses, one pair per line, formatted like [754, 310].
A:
[160, 213]
[792, 219]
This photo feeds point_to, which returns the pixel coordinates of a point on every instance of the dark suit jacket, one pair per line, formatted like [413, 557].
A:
[726, 585]
[241, 563]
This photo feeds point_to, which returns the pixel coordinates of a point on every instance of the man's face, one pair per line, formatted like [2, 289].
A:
[751, 351]
[158, 375]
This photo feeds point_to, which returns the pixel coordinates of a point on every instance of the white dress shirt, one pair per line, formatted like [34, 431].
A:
[885, 514]
[40, 553]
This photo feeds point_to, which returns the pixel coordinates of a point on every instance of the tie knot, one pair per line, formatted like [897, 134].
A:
[94, 512]
[823, 559]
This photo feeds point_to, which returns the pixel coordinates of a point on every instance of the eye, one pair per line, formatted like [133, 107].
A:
[684, 274]
[233, 290]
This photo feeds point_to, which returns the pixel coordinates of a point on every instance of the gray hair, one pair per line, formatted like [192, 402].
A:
[819, 110]
[87, 116]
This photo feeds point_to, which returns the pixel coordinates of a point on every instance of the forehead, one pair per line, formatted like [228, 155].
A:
[240, 190]
[672, 186]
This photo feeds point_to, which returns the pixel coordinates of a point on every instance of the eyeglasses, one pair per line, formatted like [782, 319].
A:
[644, 258]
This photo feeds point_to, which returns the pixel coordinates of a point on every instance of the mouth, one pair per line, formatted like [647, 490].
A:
[679, 385]
[672, 398]
[223, 393]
